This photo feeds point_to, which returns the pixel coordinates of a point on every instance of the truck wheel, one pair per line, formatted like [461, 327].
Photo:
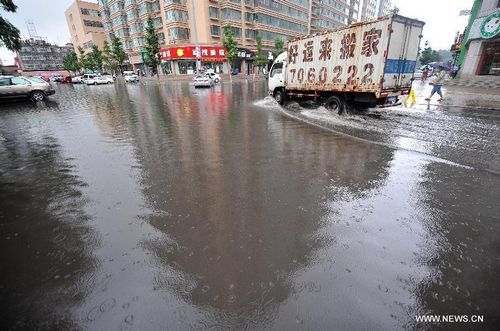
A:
[335, 104]
[279, 96]
[37, 96]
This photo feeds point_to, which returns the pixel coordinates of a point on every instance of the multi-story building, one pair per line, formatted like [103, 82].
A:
[384, 7]
[38, 54]
[85, 25]
[353, 15]
[328, 14]
[191, 31]
[368, 10]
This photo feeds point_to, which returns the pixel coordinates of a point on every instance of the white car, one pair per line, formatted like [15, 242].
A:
[130, 77]
[203, 81]
[77, 80]
[97, 80]
[215, 77]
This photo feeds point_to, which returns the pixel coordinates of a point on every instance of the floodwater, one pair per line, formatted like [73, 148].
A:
[161, 207]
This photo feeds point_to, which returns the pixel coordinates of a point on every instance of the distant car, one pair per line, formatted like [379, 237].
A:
[77, 80]
[57, 78]
[203, 81]
[66, 79]
[12, 87]
[99, 80]
[215, 77]
[130, 77]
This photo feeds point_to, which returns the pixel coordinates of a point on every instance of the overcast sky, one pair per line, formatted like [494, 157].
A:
[441, 18]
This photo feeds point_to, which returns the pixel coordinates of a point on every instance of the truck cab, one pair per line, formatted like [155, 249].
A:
[276, 81]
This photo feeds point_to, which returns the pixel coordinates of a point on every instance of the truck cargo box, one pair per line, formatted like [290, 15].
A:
[375, 57]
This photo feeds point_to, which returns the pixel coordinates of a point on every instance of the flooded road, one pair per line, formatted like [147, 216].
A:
[162, 207]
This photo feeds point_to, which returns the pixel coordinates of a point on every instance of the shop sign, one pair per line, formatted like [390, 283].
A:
[491, 25]
[205, 53]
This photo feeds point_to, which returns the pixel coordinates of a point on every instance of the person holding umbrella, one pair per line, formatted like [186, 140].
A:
[437, 83]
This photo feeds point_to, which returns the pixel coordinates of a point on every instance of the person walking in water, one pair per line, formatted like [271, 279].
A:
[437, 82]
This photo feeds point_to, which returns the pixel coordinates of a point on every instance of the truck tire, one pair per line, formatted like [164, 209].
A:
[335, 104]
[37, 96]
[279, 96]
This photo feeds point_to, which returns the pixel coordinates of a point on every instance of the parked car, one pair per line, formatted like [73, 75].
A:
[203, 81]
[66, 79]
[85, 77]
[15, 87]
[77, 80]
[215, 77]
[130, 77]
[99, 80]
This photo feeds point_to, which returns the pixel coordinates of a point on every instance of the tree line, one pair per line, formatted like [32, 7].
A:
[111, 57]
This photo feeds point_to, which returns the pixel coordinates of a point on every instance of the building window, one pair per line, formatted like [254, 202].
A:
[236, 32]
[231, 14]
[213, 12]
[95, 24]
[178, 33]
[89, 12]
[215, 30]
[182, 2]
[249, 34]
[175, 15]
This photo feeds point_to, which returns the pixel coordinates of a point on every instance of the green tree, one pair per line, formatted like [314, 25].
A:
[70, 62]
[9, 34]
[95, 58]
[231, 47]
[395, 10]
[278, 47]
[83, 59]
[152, 45]
[429, 55]
[108, 61]
[260, 59]
[117, 51]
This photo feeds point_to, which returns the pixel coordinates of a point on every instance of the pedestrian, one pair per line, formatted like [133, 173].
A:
[437, 82]
[425, 74]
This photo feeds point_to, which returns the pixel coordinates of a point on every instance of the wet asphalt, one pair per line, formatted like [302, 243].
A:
[156, 206]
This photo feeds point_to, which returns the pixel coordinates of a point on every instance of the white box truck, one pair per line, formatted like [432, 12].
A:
[363, 65]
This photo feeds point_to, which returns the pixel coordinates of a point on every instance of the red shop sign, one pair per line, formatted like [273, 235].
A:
[208, 53]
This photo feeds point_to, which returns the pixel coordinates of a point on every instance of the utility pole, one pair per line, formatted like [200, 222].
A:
[197, 46]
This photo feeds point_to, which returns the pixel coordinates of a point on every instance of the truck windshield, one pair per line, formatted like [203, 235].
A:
[277, 69]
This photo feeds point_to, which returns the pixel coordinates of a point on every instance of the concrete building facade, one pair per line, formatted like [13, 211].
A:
[182, 25]
[85, 25]
[36, 55]
[480, 49]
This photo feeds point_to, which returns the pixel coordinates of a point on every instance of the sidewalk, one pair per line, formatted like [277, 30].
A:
[460, 96]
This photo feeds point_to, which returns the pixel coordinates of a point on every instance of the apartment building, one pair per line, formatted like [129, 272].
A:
[191, 31]
[85, 25]
[37, 54]
[384, 7]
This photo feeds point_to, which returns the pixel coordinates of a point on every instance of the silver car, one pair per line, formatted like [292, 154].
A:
[202, 81]
[17, 87]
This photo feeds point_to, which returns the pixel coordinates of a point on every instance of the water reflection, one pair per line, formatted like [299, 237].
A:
[240, 198]
[46, 248]
[461, 251]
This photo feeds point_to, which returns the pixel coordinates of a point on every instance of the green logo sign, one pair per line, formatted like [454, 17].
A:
[491, 25]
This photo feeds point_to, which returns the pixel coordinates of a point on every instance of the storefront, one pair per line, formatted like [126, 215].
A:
[482, 49]
[182, 60]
